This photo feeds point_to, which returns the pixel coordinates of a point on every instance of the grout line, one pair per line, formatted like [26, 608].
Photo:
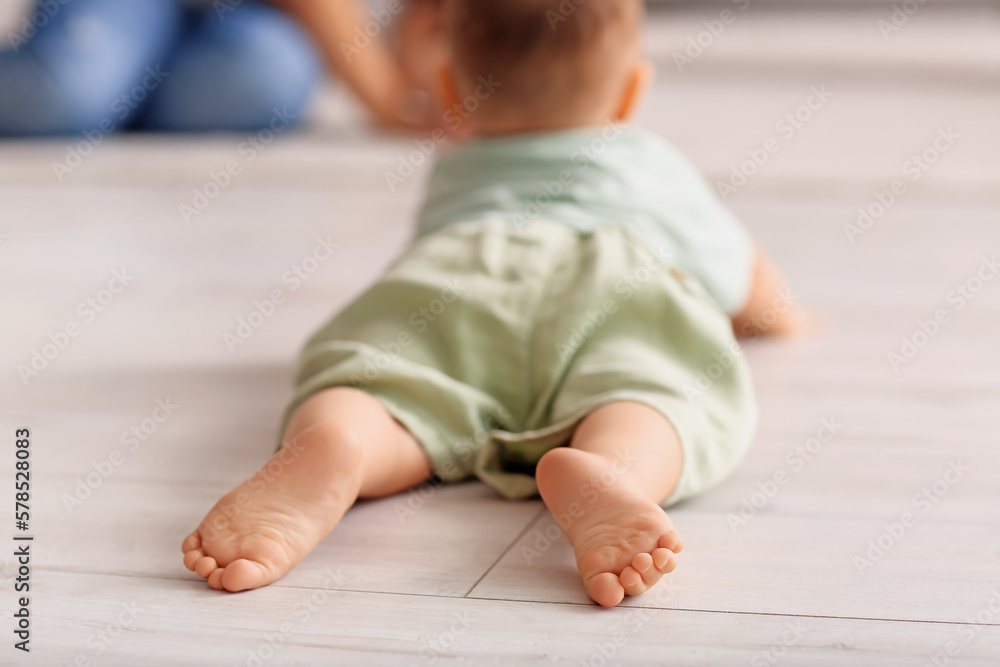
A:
[538, 515]
[748, 613]
[560, 603]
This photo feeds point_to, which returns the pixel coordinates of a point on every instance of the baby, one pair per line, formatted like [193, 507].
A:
[563, 324]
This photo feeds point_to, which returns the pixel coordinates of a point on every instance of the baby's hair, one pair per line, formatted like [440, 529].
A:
[549, 56]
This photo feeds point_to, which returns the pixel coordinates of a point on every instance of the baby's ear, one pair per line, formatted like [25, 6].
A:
[639, 76]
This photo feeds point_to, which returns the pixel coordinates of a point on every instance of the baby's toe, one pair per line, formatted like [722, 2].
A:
[632, 581]
[642, 562]
[192, 557]
[664, 560]
[243, 574]
[191, 542]
[651, 575]
[605, 589]
[215, 579]
[673, 541]
[205, 566]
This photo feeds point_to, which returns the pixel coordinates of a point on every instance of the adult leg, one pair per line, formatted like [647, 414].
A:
[244, 68]
[85, 65]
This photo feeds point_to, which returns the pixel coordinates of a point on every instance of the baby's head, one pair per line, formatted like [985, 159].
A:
[558, 64]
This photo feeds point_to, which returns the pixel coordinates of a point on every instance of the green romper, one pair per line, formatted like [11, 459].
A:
[553, 273]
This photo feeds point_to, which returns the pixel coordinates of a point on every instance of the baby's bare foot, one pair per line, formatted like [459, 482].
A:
[266, 525]
[624, 542]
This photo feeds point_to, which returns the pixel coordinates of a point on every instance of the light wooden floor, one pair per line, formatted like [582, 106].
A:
[467, 578]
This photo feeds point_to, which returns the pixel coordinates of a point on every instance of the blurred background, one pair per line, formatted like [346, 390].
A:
[898, 70]
[858, 140]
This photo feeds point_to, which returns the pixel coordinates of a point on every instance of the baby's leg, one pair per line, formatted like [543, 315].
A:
[605, 489]
[340, 445]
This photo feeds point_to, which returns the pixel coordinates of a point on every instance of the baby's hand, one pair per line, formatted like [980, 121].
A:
[801, 322]
[793, 323]
[770, 309]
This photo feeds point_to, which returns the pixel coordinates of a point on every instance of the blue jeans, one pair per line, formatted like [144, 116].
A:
[106, 65]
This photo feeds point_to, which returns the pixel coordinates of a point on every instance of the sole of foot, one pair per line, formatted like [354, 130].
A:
[264, 527]
[624, 542]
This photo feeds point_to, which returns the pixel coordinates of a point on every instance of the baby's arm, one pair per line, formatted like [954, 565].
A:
[771, 308]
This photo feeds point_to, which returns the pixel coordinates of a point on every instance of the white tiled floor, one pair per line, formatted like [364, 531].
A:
[468, 578]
